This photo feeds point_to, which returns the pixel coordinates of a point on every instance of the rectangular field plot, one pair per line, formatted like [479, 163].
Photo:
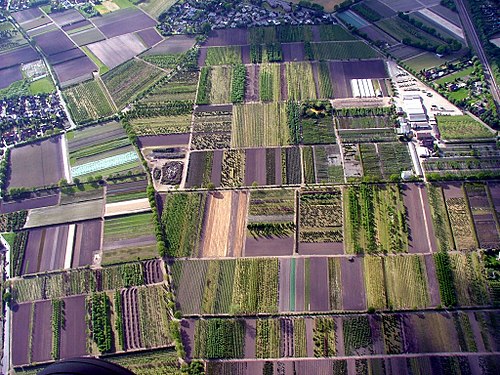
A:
[46, 249]
[375, 219]
[88, 101]
[461, 222]
[227, 55]
[128, 80]
[158, 125]
[462, 127]
[87, 242]
[483, 215]
[44, 159]
[128, 238]
[258, 125]
[115, 51]
[342, 72]
[21, 326]
[323, 164]
[181, 87]
[300, 81]
[385, 160]
[320, 230]
[158, 361]
[271, 223]
[243, 286]
[342, 51]
[102, 150]
[125, 191]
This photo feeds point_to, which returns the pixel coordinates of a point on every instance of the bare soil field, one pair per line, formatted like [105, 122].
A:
[376, 34]
[255, 170]
[67, 17]
[224, 224]
[45, 161]
[21, 324]
[483, 216]
[245, 54]
[74, 331]
[9, 76]
[404, 52]
[75, 71]
[252, 84]
[323, 248]
[115, 51]
[30, 203]
[187, 335]
[380, 8]
[164, 140]
[354, 297]
[275, 246]
[18, 56]
[447, 14]
[54, 42]
[196, 169]
[227, 37]
[284, 285]
[26, 15]
[173, 44]
[495, 195]
[293, 52]
[319, 291]
[46, 249]
[152, 272]
[64, 56]
[421, 238]
[87, 242]
[42, 332]
[250, 336]
[76, 25]
[123, 21]
[150, 37]
[216, 175]
[432, 282]
[299, 287]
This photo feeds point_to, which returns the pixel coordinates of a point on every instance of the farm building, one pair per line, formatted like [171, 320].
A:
[414, 108]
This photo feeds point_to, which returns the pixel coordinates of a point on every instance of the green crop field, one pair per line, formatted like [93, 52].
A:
[88, 101]
[342, 50]
[223, 56]
[124, 227]
[462, 127]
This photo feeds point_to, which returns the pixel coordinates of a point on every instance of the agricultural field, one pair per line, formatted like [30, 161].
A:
[270, 223]
[241, 286]
[342, 51]
[321, 222]
[88, 101]
[182, 87]
[161, 125]
[258, 125]
[300, 81]
[375, 219]
[102, 150]
[127, 81]
[462, 128]
[385, 160]
[121, 242]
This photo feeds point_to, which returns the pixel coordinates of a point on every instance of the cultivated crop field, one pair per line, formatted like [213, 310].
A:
[88, 101]
[461, 127]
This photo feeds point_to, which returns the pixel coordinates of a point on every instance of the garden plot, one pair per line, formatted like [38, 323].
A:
[115, 51]
[243, 286]
[459, 215]
[321, 223]
[258, 125]
[375, 219]
[46, 249]
[128, 237]
[271, 223]
[45, 161]
[224, 224]
[483, 215]
[88, 101]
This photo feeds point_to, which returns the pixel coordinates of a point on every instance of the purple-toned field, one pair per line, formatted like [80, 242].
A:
[61, 57]
[27, 15]
[150, 36]
[115, 51]
[87, 241]
[293, 52]
[274, 246]
[18, 56]
[321, 248]
[422, 238]
[252, 83]
[227, 37]
[45, 161]
[88, 36]
[76, 25]
[319, 294]
[67, 17]
[343, 72]
[45, 249]
[9, 76]
[28, 204]
[483, 217]
[74, 71]
[123, 21]
[376, 34]
[21, 317]
[353, 297]
[74, 331]
[42, 332]
[163, 140]
[404, 52]
[53, 42]
[173, 44]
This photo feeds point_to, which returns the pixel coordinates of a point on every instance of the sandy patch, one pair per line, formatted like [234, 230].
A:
[217, 225]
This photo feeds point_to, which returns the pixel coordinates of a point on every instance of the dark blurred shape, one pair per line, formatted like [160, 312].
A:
[85, 366]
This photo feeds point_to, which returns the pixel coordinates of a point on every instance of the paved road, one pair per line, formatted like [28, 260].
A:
[470, 31]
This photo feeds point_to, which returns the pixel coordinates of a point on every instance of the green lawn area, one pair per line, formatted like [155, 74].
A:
[9, 237]
[129, 254]
[454, 76]
[425, 61]
[102, 68]
[459, 94]
[461, 127]
[43, 85]
[129, 226]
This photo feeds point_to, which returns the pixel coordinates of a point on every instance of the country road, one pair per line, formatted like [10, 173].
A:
[470, 31]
